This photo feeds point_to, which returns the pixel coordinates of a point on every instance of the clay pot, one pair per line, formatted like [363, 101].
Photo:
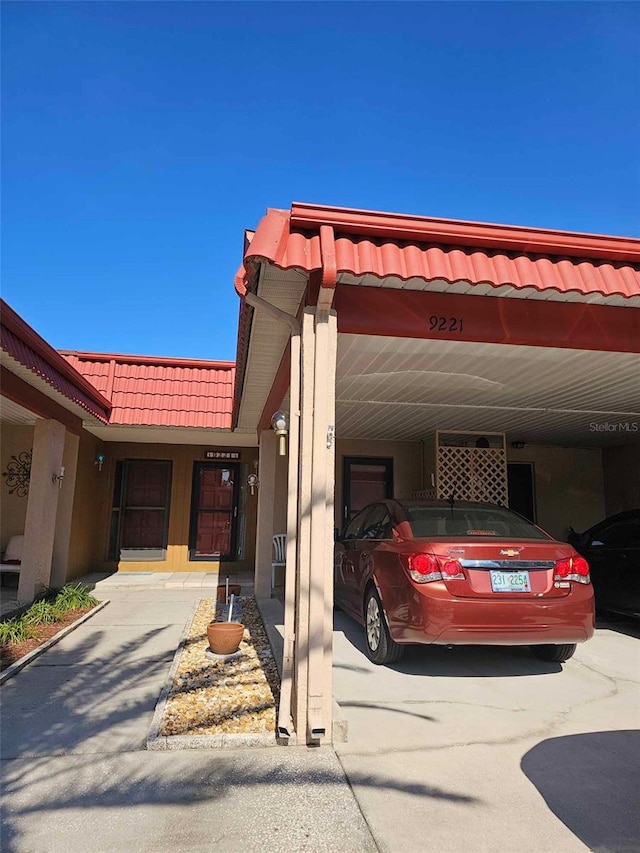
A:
[224, 637]
[234, 589]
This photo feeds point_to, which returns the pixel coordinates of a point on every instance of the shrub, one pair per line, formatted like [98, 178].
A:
[41, 613]
[16, 630]
[74, 596]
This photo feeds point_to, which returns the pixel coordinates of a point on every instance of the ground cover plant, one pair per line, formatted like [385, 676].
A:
[52, 611]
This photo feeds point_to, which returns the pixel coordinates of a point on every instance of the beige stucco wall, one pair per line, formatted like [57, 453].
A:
[90, 504]
[13, 440]
[621, 477]
[406, 466]
[569, 486]
[182, 458]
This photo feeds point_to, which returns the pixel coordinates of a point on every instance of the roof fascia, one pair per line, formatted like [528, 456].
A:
[462, 233]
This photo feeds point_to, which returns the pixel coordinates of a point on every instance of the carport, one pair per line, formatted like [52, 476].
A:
[378, 334]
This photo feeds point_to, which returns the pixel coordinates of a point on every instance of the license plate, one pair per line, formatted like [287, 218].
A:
[510, 582]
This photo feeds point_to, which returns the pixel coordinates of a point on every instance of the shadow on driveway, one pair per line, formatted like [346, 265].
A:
[444, 661]
[591, 783]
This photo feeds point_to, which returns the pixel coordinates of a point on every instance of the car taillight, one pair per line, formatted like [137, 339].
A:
[452, 569]
[424, 568]
[572, 569]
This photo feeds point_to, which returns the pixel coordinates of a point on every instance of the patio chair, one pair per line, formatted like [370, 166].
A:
[279, 560]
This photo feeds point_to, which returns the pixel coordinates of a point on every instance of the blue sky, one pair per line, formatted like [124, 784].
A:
[140, 139]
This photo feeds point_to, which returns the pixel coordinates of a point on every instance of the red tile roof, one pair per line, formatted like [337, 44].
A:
[405, 247]
[154, 391]
[25, 346]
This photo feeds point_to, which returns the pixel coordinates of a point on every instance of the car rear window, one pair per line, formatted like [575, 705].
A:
[427, 521]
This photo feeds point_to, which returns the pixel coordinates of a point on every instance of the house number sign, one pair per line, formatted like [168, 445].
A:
[445, 324]
[221, 454]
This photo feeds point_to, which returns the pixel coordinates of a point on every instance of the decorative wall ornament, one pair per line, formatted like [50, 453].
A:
[18, 474]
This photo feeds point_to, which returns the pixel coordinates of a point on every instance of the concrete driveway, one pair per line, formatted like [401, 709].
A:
[487, 749]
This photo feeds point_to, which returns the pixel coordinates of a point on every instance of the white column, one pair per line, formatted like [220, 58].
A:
[264, 524]
[42, 506]
[65, 511]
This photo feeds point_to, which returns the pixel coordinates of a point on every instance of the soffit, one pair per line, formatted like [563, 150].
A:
[268, 340]
[405, 389]
[43, 385]
[13, 413]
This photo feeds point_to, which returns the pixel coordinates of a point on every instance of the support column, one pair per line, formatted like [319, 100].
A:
[42, 506]
[314, 593]
[65, 511]
[264, 528]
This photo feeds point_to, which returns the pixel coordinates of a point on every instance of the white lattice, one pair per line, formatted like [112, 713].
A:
[473, 474]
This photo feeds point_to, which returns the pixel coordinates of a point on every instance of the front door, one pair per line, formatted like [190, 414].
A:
[521, 491]
[366, 480]
[214, 510]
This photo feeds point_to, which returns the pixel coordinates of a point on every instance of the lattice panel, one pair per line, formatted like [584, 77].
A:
[473, 474]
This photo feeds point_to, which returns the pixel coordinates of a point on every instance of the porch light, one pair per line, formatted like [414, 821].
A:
[99, 462]
[280, 425]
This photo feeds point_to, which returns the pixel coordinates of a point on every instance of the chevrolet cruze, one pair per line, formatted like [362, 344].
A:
[456, 573]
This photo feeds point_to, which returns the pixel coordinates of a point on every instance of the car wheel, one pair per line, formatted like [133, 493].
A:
[554, 654]
[380, 647]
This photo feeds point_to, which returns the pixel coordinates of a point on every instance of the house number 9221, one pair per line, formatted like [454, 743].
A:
[445, 324]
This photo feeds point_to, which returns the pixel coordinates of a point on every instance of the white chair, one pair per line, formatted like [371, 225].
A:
[279, 560]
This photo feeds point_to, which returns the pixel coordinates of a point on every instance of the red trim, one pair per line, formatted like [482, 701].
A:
[35, 401]
[526, 322]
[278, 389]
[161, 361]
[23, 331]
[457, 232]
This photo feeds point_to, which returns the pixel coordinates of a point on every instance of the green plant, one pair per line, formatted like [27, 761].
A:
[16, 630]
[74, 596]
[41, 613]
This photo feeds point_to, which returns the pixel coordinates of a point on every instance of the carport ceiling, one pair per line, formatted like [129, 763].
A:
[405, 389]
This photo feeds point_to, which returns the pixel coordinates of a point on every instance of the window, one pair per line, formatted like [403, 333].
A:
[377, 524]
[469, 521]
[140, 510]
[621, 534]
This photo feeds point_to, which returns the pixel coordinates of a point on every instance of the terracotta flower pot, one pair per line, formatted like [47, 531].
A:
[224, 637]
[234, 589]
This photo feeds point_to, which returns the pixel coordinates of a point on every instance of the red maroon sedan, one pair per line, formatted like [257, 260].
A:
[460, 573]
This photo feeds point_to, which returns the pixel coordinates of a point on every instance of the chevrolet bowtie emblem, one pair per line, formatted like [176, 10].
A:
[510, 552]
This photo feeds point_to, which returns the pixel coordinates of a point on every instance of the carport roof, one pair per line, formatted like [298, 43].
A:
[413, 253]
[394, 246]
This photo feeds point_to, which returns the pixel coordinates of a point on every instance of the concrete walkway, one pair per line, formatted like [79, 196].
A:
[76, 775]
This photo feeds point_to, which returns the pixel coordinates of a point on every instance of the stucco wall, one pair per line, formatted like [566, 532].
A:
[90, 502]
[621, 477]
[14, 440]
[569, 486]
[182, 458]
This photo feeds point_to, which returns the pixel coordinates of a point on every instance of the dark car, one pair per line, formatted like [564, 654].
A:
[612, 549]
[460, 573]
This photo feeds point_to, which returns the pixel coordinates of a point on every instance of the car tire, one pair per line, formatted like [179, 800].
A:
[554, 654]
[380, 647]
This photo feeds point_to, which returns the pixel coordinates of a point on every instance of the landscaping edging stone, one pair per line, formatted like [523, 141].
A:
[12, 670]
[157, 742]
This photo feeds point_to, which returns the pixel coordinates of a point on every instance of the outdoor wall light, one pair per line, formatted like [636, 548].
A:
[280, 425]
[59, 477]
[99, 461]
